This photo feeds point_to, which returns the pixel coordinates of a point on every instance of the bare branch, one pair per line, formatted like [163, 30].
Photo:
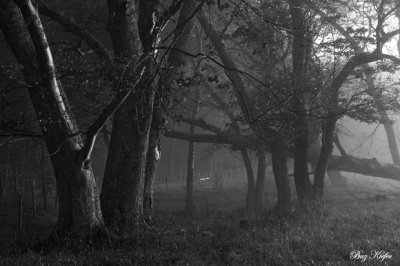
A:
[107, 113]
[223, 105]
[70, 26]
[388, 35]
[208, 138]
[368, 167]
[201, 123]
[241, 95]
[359, 60]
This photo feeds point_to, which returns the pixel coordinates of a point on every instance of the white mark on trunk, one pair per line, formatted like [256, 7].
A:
[157, 153]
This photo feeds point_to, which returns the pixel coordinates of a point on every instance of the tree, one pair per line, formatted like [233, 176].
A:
[279, 167]
[261, 167]
[122, 192]
[190, 206]
[176, 67]
[79, 205]
[303, 183]
[333, 113]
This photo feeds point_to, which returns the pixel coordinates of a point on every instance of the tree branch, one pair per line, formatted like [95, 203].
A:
[388, 35]
[358, 60]
[364, 166]
[98, 124]
[201, 123]
[245, 102]
[208, 138]
[70, 26]
[382, 37]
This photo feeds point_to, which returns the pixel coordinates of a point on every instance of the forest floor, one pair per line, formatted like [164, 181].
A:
[363, 225]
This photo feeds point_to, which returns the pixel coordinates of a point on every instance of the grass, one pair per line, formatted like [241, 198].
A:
[222, 234]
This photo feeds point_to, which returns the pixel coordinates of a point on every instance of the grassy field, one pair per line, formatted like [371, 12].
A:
[223, 234]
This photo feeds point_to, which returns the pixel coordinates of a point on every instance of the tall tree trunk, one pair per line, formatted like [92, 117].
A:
[122, 191]
[251, 186]
[259, 197]
[79, 210]
[279, 168]
[123, 184]
[190, 206]
[302, 180]
[326, 151]
[163, 102]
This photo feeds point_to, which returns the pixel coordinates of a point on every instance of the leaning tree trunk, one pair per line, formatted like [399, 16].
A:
[251, 187]
[332, 116]
[335, 177]
[302, 180]
[279, 167]
[79, 209]
[259, 197]
[153, 155]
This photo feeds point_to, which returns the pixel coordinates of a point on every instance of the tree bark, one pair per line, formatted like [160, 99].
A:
[123, 184]
[122, 191]
[79, 210]
[279, 168]
[163, 96]
[259, 197]
[43, 177]
[251, 186]
[301, 177]
[326, 151]
[183, 32]
[153, 156]
[106, 137]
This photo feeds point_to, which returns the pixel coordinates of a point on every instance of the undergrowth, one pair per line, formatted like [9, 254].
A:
[312, 235]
